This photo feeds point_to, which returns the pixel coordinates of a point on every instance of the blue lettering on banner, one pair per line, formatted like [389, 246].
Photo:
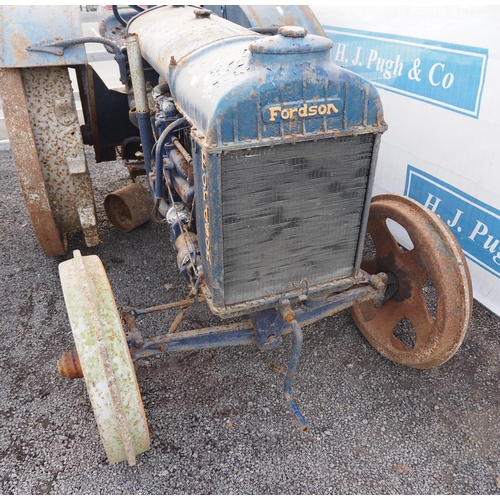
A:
[446, 75]
[475, 224]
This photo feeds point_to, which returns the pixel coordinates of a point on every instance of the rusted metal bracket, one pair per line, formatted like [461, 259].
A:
[129, 315]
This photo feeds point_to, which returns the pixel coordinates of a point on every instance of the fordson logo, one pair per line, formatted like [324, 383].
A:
[293, 111]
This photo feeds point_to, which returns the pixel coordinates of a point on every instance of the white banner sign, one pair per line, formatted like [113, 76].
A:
[437, 70]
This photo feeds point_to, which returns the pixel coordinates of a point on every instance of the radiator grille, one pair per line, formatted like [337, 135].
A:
[291, 212]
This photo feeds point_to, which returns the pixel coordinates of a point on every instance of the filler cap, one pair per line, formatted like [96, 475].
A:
[291, 40]
[293, 31]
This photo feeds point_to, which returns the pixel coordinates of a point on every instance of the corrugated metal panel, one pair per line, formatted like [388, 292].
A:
[292, 212]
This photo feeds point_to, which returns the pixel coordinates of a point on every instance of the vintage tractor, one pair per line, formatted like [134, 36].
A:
[260, 154]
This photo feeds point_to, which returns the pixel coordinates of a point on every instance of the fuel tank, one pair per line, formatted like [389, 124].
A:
[238, 88]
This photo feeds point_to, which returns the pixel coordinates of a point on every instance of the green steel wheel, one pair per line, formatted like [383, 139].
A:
[105, 358]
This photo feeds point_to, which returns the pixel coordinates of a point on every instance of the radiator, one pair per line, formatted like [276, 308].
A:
[291, 213]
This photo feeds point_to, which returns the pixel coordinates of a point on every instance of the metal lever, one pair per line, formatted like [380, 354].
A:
[57, 48]
[289, 317]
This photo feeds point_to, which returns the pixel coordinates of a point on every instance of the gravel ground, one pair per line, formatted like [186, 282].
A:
[217, 418]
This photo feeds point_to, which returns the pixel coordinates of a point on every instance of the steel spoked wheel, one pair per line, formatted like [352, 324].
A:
[424, 322]
[105, 359]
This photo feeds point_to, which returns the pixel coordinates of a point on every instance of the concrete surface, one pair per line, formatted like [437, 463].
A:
[217, 418]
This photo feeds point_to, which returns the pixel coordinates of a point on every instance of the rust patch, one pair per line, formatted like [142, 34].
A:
[69, 365]
[27, 163]
[18, 44]
[129, 207]
[292, 31]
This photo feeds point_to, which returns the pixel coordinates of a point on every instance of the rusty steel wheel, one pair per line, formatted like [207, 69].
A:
[105, 358]
[49, 156]
[425, 320]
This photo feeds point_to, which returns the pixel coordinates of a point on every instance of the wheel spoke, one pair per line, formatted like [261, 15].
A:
[418, 313]
[412, 262]
[385, 321]
[370, 266]
[383, 239]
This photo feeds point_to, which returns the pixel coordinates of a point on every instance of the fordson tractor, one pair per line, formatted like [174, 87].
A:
[260, 155]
